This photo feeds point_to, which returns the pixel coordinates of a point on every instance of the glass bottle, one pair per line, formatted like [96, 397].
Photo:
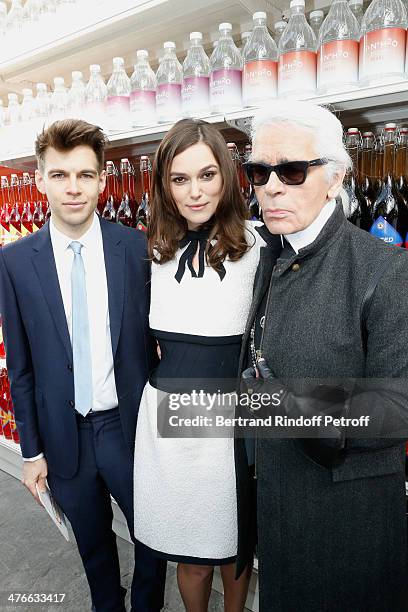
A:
[142, 218]
[124, 214]
[111, 204]
[366, 173]
[26, 215]
[389, 208]
[356, 206]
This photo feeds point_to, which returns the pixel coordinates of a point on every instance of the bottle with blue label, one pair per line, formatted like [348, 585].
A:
[387, 225]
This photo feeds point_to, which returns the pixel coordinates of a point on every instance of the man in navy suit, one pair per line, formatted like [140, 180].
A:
[74, 298]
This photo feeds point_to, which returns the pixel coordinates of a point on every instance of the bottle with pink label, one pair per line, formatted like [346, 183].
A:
[143, 92]
[118, 103]
[169, 79]
[382, 44]
[260, 74]
[226, 74]
[95, 95]
[196, 79]
[337, 55]
[297, 55]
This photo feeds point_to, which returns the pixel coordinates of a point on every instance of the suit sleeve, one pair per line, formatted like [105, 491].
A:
[19, 365]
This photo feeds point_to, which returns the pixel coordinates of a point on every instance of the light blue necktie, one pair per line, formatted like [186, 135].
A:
[81, 346]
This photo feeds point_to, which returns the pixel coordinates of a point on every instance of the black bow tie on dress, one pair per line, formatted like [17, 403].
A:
[194, 240]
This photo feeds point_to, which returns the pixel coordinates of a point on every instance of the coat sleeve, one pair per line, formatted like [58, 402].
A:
[383, 395]
[19, 365]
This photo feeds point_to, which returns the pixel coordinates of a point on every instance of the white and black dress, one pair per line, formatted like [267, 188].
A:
[184, 488]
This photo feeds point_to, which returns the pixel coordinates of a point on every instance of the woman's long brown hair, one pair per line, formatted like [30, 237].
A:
[167, 226]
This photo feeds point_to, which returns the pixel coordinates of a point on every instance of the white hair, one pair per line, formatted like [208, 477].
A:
[319, 121]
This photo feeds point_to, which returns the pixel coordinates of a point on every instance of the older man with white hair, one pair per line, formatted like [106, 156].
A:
[327, 330]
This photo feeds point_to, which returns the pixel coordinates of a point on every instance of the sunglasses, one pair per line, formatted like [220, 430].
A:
[290, 173]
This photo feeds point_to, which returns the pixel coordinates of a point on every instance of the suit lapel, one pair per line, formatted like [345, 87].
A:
[115, 258]
[44, 264]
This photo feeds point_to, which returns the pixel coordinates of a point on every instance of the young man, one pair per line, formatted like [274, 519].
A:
[75, 300]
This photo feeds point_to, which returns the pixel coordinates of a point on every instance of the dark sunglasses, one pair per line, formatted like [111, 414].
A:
[290, 173]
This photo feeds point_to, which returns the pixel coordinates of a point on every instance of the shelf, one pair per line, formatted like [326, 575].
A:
[362, 107]
[10, 458]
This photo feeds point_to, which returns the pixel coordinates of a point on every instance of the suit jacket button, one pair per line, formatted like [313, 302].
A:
[71, 403]
[295, 267]
[70, 368]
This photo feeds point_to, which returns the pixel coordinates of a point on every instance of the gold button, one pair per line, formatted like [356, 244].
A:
[295, 267]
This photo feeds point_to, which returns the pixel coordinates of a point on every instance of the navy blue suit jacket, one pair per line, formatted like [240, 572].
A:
[38, 347]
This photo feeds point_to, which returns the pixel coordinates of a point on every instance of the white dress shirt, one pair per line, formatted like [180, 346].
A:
[300, 240]
[103, 376]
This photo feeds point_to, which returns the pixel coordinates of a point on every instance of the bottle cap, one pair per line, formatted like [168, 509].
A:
[118, 61]
[215, 43]
[367, 134]
[390, 126]
[12, 97]
[94, 68]
[144, 157]
[142, 53]
[245, 35]
[316, 14]
[280, 24]
[196, 36]
[358, 2]
[259, 15]
[124, 160]
[59, 81]
[169, 45]
[353, 130]
[41, 87]
[297, 3]
[404, 130]
[225, 26]
[76, 75]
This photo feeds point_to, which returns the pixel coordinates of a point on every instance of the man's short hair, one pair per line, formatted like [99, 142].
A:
[67, 134]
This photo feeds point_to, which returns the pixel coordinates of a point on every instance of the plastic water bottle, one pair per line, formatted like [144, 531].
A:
[118, 100]
[169, 80]
[143, 92]
[96, 94]
[3, 18]
[13, 111]
[278, 29]
[337, 56]
[226, 73]
[316, 19]
[59, 100]
[356, 7]
[27, 109]
[42, 103]
[196, 79]
[260, 74]
[297, 54]
[14, 21]
[382, 44]
[76, 96]
[245, 36]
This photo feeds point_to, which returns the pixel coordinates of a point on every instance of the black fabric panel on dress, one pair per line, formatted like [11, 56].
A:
[182, 357]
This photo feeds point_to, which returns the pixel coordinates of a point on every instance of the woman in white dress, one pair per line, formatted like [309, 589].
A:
[204, 257]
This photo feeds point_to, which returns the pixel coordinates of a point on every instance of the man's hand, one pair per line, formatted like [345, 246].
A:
[35, 472]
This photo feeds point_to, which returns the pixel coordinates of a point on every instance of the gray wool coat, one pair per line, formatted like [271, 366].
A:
[331, 537]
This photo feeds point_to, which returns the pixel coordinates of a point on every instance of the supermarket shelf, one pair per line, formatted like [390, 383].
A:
[365, 106]
[120, 28]
[10, 458]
